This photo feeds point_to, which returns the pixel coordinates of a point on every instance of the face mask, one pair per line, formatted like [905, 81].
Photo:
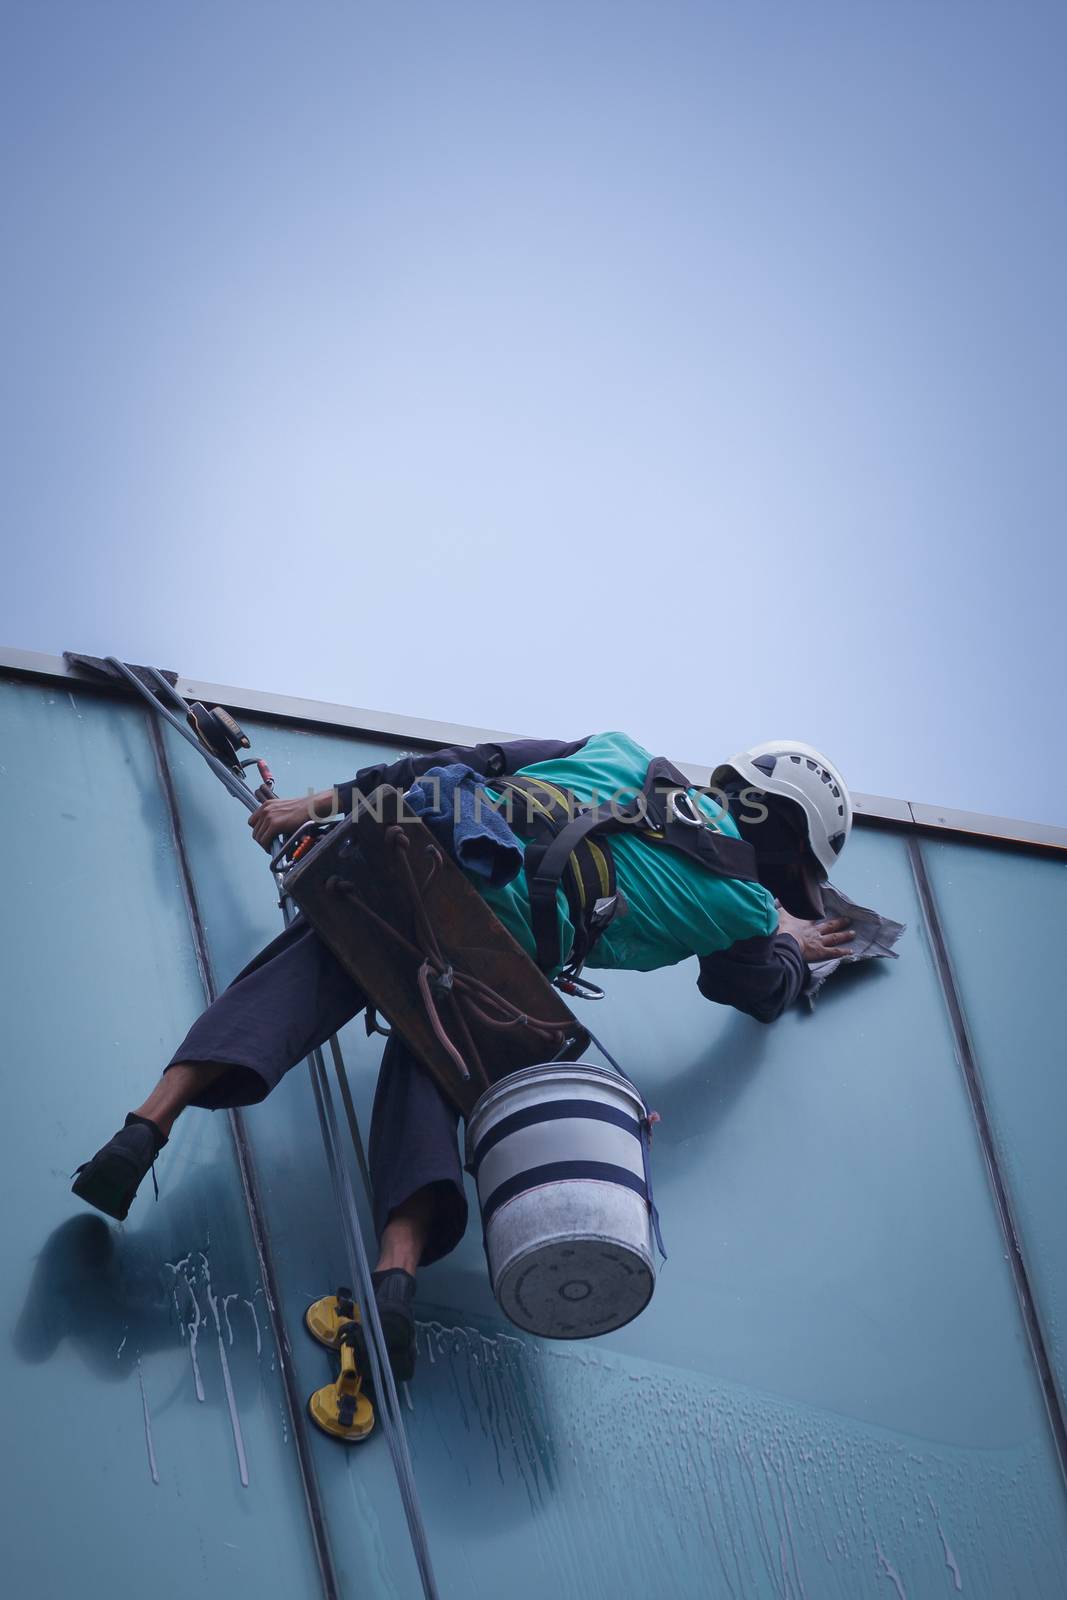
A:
[783, 860]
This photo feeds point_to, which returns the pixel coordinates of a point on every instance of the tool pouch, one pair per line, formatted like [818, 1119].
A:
[409, 928]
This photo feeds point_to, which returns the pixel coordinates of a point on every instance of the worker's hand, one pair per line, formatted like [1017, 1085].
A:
[828, 940]
[283, 817]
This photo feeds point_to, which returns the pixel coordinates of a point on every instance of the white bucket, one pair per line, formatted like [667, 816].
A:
[559, 1156]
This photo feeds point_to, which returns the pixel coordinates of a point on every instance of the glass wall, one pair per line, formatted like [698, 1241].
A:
[1003, 916]
[831, 1392]
[146, 1442]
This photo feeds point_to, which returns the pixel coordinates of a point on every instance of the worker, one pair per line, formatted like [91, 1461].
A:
[753, 939]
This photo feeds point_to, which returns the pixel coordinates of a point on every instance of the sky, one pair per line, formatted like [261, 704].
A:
[696, 369]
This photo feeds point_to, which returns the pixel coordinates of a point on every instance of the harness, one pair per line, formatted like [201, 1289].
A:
[569, 847]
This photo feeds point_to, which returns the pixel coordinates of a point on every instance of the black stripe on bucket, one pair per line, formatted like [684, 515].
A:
[551, 1111]
[560, 1172]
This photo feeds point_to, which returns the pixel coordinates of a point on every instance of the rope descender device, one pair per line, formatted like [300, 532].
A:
[220, 733]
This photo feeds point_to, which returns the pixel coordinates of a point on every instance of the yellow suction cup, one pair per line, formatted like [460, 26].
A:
[327, 1318]
[341, 1409]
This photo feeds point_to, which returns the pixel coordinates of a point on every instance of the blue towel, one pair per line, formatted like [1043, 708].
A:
[474, 834]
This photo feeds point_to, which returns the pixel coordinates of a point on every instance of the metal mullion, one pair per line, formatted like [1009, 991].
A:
[250, 1188]
[968, 1061]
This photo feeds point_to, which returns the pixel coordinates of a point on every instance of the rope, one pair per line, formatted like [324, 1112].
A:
[648, 1122]
[350, 1114]
[381, 1373]
[606, 1053]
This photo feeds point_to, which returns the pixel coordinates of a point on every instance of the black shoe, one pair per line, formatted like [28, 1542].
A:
[111, 1179]
[394, 1291]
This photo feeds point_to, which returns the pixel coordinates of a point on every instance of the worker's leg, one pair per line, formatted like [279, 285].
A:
[289, 999]
[420, 1209]
[183, 1084]
[407, 1232]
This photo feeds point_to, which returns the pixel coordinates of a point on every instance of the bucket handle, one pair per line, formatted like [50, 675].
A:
[647, 1123]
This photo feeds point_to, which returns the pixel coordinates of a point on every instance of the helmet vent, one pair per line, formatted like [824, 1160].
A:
[804, 790]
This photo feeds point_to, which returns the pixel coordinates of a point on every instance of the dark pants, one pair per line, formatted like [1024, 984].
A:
[289, 999]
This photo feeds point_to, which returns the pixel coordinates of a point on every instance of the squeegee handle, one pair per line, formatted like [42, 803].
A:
[239, 790]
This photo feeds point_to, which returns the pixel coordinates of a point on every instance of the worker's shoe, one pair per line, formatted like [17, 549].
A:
[335, 1318]
[394, 1290]
[111, 1179]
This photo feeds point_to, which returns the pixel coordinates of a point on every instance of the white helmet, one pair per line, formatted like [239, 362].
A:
[804, 775]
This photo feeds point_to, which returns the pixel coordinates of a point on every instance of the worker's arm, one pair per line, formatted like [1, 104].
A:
[491, 759]
[278, 818]
[763, 976]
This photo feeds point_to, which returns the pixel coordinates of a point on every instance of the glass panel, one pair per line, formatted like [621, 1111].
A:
[1003, 916]
[140, 1382]
[368, 1530]
[830, 1393]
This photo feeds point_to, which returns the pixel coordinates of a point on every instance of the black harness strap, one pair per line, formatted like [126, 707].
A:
[563, 850]
[548, 868]
[585, 870]
[666, 802]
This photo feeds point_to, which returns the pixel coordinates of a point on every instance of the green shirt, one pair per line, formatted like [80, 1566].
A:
[672, 907]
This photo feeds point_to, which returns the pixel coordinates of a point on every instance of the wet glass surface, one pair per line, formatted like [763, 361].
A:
[1003, 917]
[830, 1393]
[368, 1531]
[140, 1383]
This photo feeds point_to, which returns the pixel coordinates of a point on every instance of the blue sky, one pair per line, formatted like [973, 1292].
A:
[697, 369]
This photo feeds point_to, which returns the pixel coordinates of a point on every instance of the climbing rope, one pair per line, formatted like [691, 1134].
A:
[359, 1265]
[381, 1373]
